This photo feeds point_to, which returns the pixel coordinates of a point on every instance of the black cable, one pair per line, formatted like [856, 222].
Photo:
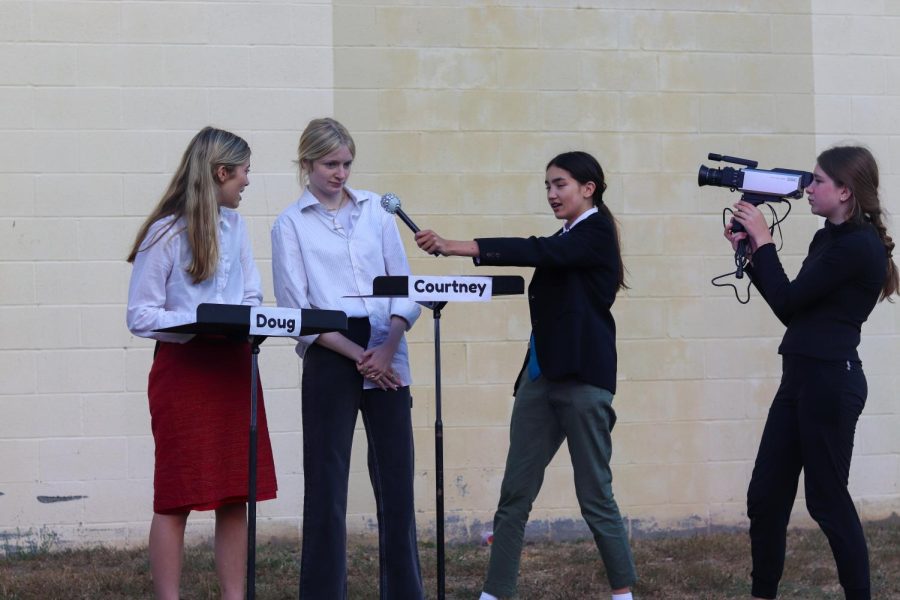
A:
[715, 282]
[776, 221]
[741, 255]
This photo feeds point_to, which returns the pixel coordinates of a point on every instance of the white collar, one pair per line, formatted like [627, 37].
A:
[307, 199]
[580, 218]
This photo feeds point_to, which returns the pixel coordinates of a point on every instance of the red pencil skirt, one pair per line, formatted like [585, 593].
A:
[200, 416]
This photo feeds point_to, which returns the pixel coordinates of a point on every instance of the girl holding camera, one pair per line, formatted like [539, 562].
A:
[812, 420]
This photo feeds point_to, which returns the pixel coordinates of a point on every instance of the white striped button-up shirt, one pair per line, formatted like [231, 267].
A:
[317, 264]
[162, 293]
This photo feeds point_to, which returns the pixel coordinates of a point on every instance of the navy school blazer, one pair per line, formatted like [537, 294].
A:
[570, 296]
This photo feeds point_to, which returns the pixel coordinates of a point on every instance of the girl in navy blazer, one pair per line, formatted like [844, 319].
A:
[565, 388]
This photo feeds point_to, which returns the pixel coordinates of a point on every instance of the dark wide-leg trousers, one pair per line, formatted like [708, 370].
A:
[811, 426]
[332, 396]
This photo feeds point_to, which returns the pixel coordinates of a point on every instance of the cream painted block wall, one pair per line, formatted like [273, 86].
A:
[458, 108]
[99, 100]
[455, 107]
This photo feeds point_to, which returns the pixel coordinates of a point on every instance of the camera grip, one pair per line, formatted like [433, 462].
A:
[739, 257]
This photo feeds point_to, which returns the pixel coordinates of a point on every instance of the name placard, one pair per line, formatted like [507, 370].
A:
[274, 322]
[427, 288]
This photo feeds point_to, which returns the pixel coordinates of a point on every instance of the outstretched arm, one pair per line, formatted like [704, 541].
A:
[431, 242]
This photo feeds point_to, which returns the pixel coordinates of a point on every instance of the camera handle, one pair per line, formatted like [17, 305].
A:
[742, 254]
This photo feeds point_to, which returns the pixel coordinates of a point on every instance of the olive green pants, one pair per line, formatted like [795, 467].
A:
[544, 414]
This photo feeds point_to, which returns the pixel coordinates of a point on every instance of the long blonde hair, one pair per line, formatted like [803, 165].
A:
[321, 137]
[192, 195]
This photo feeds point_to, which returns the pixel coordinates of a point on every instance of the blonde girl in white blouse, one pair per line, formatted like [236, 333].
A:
[327, 247]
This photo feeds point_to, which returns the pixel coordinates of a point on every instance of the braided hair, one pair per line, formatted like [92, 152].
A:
[855, 168]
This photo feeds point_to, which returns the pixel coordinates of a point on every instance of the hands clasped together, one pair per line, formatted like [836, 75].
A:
[375, 365]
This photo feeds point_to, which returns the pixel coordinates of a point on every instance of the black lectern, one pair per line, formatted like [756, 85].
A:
[235, 320]
[398, 286]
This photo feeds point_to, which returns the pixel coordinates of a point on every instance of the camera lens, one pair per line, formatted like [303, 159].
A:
[725, 177]
[707, 176]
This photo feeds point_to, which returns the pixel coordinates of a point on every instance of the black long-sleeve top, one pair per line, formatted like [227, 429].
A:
[836, 289]
[570, 295]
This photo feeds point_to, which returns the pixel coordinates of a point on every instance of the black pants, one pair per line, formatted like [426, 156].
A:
[332, 396]
[811, 425]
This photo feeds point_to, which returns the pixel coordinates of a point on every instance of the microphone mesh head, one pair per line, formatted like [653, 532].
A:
[390, 203]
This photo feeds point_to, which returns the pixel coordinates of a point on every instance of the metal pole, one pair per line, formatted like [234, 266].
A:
[251, 492]
[439, 451]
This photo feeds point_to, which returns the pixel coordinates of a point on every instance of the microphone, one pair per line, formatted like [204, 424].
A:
[391, 204]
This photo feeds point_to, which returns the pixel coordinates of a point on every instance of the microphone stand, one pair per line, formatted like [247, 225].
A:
[255, 341]
[438, 448]
[398, 286]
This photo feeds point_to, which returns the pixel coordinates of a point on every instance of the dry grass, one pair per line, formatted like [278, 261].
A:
[702, 566]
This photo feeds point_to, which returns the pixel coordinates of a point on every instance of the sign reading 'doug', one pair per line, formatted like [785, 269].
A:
[429, 288]
[274, 322]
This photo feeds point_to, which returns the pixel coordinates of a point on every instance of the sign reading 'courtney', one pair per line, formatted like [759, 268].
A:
[429, 288]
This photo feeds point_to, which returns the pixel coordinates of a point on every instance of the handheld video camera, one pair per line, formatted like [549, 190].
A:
[756, 186]
[776, 183]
